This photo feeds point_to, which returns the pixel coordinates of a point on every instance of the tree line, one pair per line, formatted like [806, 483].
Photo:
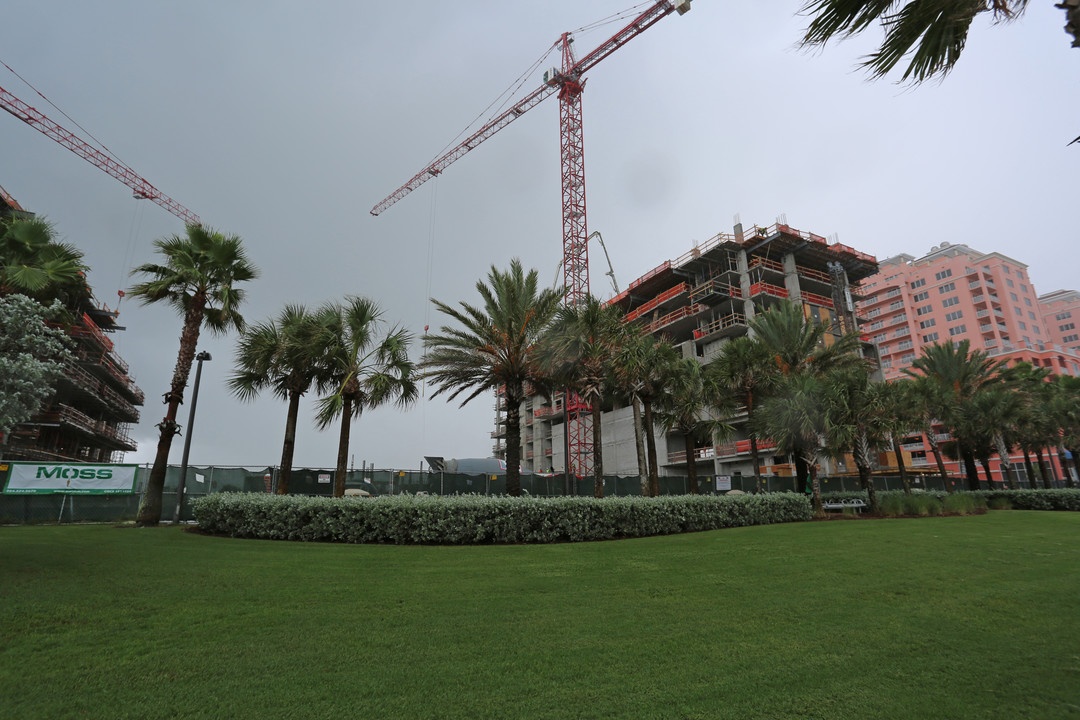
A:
[809, 392]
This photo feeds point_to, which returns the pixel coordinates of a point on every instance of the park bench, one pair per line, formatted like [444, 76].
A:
[858, 505]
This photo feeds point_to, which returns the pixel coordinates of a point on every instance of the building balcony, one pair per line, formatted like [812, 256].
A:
[731, 324]
[658, 301]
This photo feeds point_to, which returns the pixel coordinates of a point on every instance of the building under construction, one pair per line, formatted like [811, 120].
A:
[700, 301]
[95, 402]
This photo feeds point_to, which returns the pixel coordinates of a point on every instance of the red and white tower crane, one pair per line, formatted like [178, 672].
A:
[141, 188]
[568, 82]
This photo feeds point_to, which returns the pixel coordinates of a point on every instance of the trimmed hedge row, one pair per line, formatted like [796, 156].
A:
[1056, 499]
[476, 519]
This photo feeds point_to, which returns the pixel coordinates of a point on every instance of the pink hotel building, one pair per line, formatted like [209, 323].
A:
[954, 293]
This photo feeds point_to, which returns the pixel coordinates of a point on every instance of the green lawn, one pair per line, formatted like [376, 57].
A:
[975, 617]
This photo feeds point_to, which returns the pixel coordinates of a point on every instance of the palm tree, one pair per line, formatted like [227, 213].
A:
[33, 263]
[493, 346]
[798, 345]
[931, 32]
[685, 407]
[643, 366]
[279, 355]
[796, 418]
[630, 371]
[744, 367]
[359, 369]
[1036, 427]
[902, 418]
[857, 419]
[579, 352]
[956, 374]
[199, 279]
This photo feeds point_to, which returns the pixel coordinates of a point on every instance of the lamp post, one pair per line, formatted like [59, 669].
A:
[187, 439]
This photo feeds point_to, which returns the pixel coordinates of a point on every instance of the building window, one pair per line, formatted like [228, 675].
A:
[943, 274]
[959, 329]
[949, 302]
[1067, 326]
[1070, 338]
[1012, 296]
[1036, 329]
[924, 309]
[907, 359]
[1008, 282]
[954, 315]
[921, 296]
[1019, 312]
[1063, 316]
[928, 323]
[1006, 269]
[918, 283]
[930, 338]
[1027, 301]
[1023, 287]
[1022, 325]
[905, 345]
[1031, 315]
[881, 338]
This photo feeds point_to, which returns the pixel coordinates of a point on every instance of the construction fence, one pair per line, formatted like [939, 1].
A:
[203, 480]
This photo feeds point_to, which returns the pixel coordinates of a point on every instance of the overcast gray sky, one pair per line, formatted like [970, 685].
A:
[286, 122]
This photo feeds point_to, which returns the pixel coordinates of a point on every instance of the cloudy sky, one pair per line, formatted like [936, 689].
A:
[286, 122]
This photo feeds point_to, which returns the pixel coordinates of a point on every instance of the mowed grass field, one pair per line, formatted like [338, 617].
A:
[957, 617]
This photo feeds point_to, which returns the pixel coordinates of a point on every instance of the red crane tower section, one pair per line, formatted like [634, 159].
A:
[142, 189]
[568, 82]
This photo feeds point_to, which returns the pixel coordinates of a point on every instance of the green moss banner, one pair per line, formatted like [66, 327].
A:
[28, 478]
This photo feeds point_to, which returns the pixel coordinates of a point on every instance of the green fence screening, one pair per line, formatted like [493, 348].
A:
[202, 480]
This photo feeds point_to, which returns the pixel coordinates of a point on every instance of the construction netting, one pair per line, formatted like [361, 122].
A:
[202, 480]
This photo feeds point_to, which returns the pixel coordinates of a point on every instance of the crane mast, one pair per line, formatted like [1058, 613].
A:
[141, 188]
[568, 82]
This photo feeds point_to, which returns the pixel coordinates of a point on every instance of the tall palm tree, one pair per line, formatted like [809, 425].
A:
[360, 369]
[579, 351]
[957, 374]
[744, 366]
[493, 346]
[1036, 428]
[795, 416]
[931, 32]
[798, 345]
[631, 371]
[686, 407]
[279, 355]
[902, 418]
[33, 263]
[643, 366]
[199, 277]
[857, 419]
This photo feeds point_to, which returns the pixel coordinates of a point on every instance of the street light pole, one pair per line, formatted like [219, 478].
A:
[187, 439]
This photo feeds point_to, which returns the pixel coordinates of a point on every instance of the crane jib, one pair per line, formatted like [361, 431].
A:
[638, 25]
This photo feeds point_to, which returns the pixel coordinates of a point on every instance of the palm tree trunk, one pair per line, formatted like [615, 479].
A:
[343, 446]
[802, 474]
[150, 507]
[1076, 464]
[899, 452]
[650, 443]
[1029, 469]
[970, 469]
[513, 438]
[1003, 459]
[598, 451]
[862, 462]
[754, 458]
[986, 469]
[1042, 468]
[809, 459]
[639, 444]
[289, 444]
[936, 449]
[691, 463]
